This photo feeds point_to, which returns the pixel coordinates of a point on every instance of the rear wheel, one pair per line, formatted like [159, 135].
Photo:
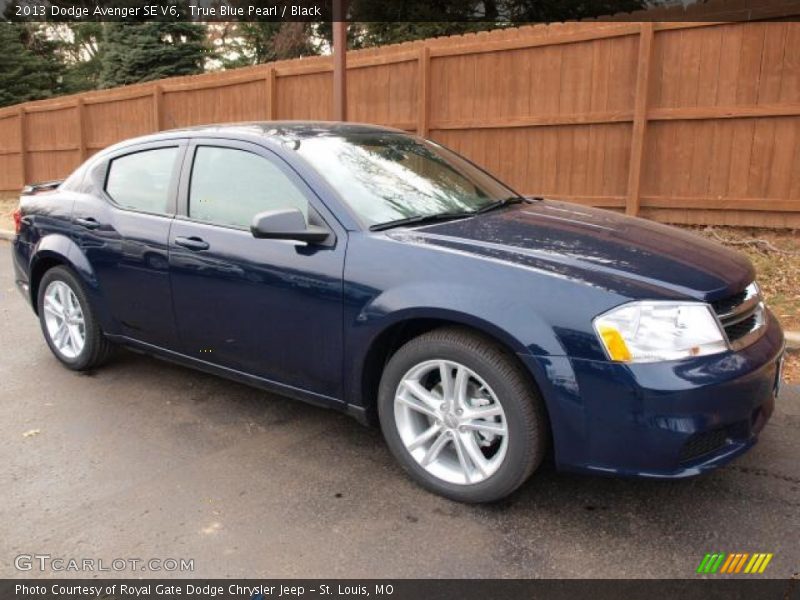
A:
[68, 323]
[461, 416]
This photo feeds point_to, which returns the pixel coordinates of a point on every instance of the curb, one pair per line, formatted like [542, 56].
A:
[792, 337]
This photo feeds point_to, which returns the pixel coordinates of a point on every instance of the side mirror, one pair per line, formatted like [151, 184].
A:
[286, 224]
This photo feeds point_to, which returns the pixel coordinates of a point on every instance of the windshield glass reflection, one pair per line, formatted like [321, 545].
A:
[389, 176]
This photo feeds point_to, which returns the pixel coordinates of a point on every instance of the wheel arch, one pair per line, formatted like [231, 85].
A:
[58, 250]
[405, 327]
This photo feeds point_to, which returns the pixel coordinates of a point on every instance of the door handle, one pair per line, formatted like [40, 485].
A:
[87, 222]
[192, 243]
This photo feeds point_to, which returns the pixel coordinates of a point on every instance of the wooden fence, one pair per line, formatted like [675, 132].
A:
[675, 121]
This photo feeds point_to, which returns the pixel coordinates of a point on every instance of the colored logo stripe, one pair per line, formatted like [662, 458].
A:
[758, 563]
[703, 563]
[734, 562]
[727, 564]
[711, 562]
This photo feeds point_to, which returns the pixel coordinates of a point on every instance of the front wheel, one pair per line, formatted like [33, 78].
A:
[460, 415]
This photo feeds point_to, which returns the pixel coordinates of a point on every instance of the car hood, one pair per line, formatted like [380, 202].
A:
[631, 256]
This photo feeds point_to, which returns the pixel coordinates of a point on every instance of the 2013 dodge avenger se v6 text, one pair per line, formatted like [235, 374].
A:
[365, 269]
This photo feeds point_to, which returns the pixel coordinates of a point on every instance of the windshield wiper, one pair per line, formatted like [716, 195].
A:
[499, 204]
[449, 216]
[420, 219]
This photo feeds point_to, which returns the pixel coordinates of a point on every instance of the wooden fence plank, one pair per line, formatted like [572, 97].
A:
[424, 91]
[80, 108]
[705, 203]
[639, 118]
[23, 146]
[158, 110]
[271, 81]
[723, 112]
[489, 122]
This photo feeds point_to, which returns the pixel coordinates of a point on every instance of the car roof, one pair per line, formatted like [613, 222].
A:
[277, 131]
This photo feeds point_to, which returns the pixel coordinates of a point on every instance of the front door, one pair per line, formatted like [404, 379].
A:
[270, 308]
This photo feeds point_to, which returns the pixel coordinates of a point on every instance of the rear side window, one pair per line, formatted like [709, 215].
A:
[141, 181]
[230, 186]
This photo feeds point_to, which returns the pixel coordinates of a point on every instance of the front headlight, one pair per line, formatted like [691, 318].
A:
[651, 331]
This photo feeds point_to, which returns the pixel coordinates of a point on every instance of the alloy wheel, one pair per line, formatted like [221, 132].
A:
[64, 319]
[451, 422]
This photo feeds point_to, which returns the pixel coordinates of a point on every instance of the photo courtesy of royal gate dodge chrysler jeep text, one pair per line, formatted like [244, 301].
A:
[364, 269]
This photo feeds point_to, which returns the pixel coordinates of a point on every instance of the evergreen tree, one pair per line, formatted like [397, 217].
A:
[394, 21]
[80, 47]
[250, 43]
[568, 10]
[136, 52]
[28, 70]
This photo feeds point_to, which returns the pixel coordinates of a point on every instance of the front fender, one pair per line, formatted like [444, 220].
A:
[510, 321]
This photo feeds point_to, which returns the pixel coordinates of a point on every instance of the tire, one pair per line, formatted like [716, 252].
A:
[490, 376]
[95, 348]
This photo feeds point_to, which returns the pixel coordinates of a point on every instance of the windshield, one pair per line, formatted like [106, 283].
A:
[385, 176]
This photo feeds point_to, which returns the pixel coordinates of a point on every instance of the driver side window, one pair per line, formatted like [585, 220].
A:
[230, 186]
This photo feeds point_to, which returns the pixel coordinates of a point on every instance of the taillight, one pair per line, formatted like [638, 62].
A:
[17, 220]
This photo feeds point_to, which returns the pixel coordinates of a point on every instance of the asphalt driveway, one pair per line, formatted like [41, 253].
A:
[143, 459]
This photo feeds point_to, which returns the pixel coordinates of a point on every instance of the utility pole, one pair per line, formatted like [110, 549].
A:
[339, 60]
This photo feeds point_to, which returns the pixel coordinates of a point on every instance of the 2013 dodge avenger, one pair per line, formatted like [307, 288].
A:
[371, 271]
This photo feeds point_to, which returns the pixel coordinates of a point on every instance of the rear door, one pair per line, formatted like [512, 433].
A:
[270, 308]
[123, 229]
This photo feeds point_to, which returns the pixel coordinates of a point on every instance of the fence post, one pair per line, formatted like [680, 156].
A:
[158, 92]
[23, 145]
[423, 98]
[81, 108]
[272, 94]
[339, 25]
[639, 119]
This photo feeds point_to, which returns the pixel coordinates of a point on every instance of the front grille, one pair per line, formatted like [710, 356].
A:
[726, 305]
[738, 330]
[742, 315]
[703, 443]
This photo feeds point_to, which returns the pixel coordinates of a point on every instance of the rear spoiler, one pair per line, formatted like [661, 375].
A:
[45, 186]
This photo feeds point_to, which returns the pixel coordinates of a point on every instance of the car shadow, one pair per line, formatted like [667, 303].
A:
[596, 500]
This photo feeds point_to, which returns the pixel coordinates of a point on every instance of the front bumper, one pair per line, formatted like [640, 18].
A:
[666, 420]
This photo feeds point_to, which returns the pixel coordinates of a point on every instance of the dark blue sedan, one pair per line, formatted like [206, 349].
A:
[367, 270]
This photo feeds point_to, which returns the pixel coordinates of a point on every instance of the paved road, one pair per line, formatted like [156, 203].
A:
[145, 459]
